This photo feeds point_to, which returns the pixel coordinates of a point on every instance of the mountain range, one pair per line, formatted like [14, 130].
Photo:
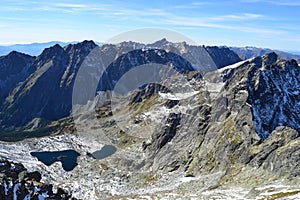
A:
[41, 87]
[33, 49]
[250, 52]
[223, 125]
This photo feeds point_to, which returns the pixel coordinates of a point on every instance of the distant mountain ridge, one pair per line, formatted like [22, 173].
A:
[36, 48]
[250, 52]
[33, 49]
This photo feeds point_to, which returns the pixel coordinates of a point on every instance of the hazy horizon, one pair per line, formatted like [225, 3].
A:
[260, 23]
[100, 43]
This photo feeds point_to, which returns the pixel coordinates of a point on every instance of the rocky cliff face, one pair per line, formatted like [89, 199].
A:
[258, 99]
[273, 90]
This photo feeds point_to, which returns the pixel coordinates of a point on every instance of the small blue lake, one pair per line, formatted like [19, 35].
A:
[105, 151]
[68, 158]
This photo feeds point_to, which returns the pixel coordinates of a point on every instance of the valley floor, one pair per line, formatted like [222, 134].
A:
[101, 179]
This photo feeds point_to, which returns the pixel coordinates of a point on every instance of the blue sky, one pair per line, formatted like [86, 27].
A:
[263, 23]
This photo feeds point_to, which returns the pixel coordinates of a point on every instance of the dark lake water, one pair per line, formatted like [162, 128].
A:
[68, 158]
[106, 151]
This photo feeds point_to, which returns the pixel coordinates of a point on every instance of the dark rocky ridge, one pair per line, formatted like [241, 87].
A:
[204, 58]
[17, 183]
[135, 58]
[45, 90]
[14, 68]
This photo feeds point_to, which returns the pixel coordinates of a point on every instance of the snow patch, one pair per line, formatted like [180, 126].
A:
[177, 96]
[235, 65]
[16, 188]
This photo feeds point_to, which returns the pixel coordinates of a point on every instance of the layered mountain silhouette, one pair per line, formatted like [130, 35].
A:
[36, 91]
[41, 87]
[33, 49]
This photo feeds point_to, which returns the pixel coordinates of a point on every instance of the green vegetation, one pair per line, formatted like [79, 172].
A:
[282, 195]
[150, 178]
[13, 136]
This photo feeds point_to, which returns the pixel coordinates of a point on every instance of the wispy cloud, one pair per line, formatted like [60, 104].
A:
[199, 22]
[275, 2]
[234, 17]
[166, 16]
[141, 13]
[193, 5]
[75, 8]
[84, 7]
[248, 18]
[68, 5]
[59, 7]
[217, 22]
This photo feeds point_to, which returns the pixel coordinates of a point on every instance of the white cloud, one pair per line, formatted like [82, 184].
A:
[192, 5]
[68, 5]
[183, 21]
[234, 17]
[275, 2]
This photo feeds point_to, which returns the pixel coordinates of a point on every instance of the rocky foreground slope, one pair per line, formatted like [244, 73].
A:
[231, 133]
[17, 183]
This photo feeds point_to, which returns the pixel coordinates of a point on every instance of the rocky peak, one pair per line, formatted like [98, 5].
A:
[15, 53]
[270, 59]
[54, 48]
[14, 68]
[50, 53]
[13, 63]
[160, 43]
[85, 46]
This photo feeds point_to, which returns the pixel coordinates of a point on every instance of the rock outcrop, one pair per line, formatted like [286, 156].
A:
[17, 183]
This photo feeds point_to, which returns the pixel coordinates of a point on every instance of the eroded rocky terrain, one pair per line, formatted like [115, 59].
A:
[231, 133]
